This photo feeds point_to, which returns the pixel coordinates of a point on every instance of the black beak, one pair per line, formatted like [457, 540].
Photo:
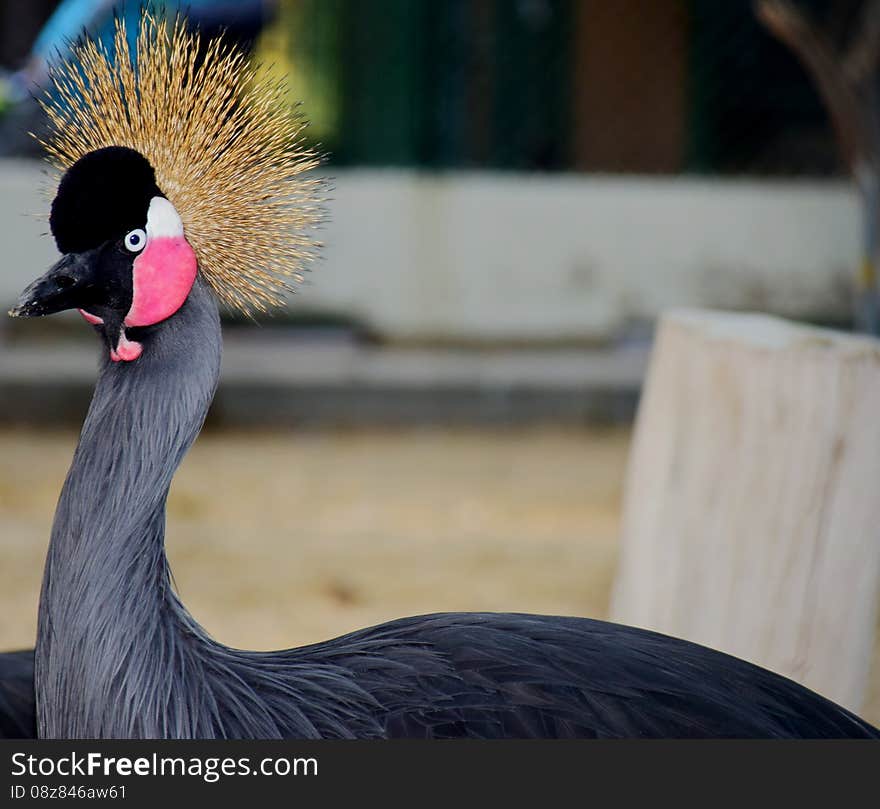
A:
[65, 286]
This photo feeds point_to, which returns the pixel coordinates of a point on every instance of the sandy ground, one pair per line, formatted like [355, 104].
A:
[281, 539]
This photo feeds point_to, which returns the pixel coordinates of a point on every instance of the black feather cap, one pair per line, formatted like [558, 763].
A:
[102, 196]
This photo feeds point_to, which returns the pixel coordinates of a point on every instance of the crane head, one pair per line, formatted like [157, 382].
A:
[175, 153]
[126, 262]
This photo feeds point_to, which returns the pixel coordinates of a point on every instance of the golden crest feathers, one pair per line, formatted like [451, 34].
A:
[227, 150]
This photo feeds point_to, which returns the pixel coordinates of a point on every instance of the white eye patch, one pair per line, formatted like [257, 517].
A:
[163, 220]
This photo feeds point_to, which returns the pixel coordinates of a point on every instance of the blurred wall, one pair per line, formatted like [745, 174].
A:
[472, 256]
[665, 86]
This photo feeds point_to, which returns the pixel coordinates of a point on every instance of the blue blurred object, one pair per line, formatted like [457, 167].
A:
[243, 19]
[72, 18]
[240, 21]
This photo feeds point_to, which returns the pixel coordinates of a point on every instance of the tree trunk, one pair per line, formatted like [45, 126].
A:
[867, 289]
[846, 79]
[751, 514]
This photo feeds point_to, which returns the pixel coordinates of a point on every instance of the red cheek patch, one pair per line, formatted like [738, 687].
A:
[162, 278]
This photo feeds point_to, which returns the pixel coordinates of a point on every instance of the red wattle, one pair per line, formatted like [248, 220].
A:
[126, 350]
[93, 319]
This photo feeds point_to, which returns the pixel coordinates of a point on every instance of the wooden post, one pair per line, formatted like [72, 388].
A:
[752, 505]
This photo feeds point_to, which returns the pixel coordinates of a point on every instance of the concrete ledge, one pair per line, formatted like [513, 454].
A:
[269, 380]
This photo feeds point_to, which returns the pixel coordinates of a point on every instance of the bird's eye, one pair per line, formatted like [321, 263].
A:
[135, 240]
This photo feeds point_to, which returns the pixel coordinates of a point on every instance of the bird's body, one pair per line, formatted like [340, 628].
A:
[118, 655]
[495, 676]
[482, 676]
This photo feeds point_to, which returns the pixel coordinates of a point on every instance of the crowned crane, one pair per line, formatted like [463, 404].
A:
[182, 187]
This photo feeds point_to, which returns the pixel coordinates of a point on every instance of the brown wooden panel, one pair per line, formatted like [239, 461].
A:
[629, 85]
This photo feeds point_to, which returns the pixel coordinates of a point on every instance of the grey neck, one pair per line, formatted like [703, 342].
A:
[108, 618]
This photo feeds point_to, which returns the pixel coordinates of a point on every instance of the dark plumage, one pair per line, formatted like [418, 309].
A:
[18, 718]
[485, 675]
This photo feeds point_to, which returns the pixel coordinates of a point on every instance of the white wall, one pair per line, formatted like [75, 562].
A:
[507, 256]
